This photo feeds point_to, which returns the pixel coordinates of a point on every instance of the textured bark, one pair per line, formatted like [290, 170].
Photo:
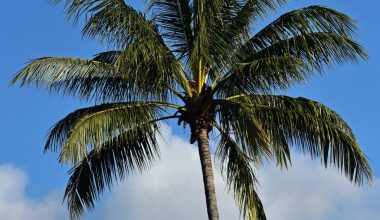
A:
[208, 177]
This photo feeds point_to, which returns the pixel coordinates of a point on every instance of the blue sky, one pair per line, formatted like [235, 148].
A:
[33, 29]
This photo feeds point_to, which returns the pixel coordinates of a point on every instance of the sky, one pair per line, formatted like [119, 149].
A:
[32, 183]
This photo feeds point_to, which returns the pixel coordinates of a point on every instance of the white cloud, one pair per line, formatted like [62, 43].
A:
[14, 205]
[309, 191]
[173, 189]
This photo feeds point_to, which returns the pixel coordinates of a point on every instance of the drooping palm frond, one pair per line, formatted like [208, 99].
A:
[239, 175]
[313, 128]
[133, 150]
[89, 128]
[248, 132]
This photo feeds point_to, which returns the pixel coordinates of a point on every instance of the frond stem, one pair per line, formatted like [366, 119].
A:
[217, 77]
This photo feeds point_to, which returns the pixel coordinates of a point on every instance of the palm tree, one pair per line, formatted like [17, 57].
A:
[197, 61]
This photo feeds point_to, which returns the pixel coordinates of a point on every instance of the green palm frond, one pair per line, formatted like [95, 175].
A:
[117, 23]
[110, 76]
[302, 21]
[316, 49]
[151, 72]
[313, 128]
[247, 131]
[290, 49]
[142, 45]
[110, 20]
[89, 128]
[263, 75]
[239, 175]
[88, 79]
[133, 150]
[207, 17]
[175, 18]
[290, 61]
[240, 14]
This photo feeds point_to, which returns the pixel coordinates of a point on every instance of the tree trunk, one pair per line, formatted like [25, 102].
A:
[208, 177]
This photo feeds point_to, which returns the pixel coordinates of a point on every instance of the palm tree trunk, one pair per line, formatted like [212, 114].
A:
[208, 177]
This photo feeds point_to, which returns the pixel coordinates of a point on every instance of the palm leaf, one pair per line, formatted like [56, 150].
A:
[175, 18]
[247, 131]
[302, 21]
[117, 23]
[311, 127]
[240, 14]
[109, 57]
[263, 75]
[134, 150]
[87, 79]
[289, 61]
[236, 166]
[89, 128]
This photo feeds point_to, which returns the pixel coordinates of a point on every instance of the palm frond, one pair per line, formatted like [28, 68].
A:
[87, 79]
[263, 75]
[133, 150]
[206, 27]
[150, 71]
[300, 30]
[313, 128]
[89, 128]
[118, 24]
[111, 20]
[144, 56]
[236, 166]
[290, 61]
[224, 36]
[109, 57]
[316, 49]
[303, 21]
[242, 14]
[247, 131]
[175, 19]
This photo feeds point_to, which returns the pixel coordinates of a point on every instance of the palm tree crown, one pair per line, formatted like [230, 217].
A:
[200, 59]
